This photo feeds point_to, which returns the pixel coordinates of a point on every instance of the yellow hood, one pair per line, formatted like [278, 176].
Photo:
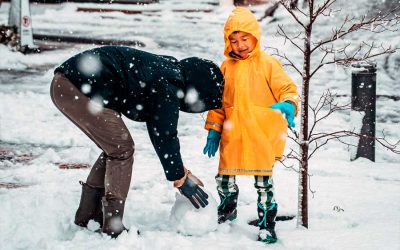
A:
[241, 19]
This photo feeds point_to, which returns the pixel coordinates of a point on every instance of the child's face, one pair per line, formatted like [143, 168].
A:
[242, 43]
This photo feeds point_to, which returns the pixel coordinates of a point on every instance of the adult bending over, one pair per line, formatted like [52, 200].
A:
[94, 88]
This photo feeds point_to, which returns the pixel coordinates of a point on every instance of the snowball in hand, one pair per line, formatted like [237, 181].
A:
[188, 220]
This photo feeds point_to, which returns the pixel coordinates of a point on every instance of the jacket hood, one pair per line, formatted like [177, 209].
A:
[203, 85]
[241, 19]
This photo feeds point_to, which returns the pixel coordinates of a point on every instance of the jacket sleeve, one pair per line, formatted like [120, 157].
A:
[216, 117]
[162, 129]
[282, 86]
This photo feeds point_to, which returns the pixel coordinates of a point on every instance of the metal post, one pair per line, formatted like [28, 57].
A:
[20, 16]
[363, 99]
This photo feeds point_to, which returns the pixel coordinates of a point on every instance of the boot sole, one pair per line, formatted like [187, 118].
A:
[278, 218]
[231, 217]
[268, 240]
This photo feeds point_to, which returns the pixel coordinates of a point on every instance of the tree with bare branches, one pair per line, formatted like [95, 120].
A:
[317, 54]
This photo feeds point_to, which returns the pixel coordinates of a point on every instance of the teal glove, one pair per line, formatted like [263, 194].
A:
[212, 145]
[287, 108]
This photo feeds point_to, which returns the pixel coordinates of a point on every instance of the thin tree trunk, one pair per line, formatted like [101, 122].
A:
[303, 174]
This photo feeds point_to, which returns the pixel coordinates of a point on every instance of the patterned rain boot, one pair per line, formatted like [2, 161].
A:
[267, 223]
[89, 206]
[227, 208]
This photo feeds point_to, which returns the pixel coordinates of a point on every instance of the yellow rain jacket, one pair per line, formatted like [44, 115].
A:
[253, 135]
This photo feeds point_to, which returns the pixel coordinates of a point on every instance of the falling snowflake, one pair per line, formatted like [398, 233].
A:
[86, 88]
[89, 64]
[191, 96]
[95, 105]
[180, 94]
[142, 84]
[228, 125]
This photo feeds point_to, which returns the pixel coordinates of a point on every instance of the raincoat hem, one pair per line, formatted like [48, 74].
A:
[252, 172]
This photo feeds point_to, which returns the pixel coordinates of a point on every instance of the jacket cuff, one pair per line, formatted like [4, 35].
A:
[179, 182]
[294, 101]
[213, 125]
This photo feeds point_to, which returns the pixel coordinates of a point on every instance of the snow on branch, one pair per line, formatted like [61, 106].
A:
[378, 23]
[388, 21]
[342, 56]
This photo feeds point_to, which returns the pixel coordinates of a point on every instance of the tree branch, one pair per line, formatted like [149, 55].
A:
[296, 170]
[348, 59]
[286, 5]
[320, 10]
[290, 62]
[292, 155]
[269, 11]
[326, 101]
[281, 32]
[372, 24]
[393, 147]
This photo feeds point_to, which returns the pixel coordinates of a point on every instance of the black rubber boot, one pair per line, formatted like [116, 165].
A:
[89, 206]
[267, 223]
[113, 212]
[227, 208]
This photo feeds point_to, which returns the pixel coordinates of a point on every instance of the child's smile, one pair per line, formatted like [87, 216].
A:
[242, 43]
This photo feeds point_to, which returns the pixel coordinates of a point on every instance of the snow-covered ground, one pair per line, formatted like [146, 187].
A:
[356, 204]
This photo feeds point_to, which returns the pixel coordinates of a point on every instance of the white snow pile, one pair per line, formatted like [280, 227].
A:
[188, 220]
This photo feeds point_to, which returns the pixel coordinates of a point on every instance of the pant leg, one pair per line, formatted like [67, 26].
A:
[98, 172]
[106, 128]
[226, 184]
[267, 208]
[228, 192]
[265, 191]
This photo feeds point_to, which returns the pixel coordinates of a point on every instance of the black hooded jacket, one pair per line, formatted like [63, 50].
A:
[149, 88]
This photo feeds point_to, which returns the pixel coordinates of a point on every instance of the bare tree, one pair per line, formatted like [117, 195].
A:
[317, 54]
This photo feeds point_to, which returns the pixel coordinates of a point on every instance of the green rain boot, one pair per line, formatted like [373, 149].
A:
[227, 207]
[267, 223]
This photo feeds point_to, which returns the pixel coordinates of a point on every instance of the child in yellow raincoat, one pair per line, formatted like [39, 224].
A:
[250, 127]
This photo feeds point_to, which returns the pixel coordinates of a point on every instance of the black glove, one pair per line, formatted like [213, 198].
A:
[191, 189]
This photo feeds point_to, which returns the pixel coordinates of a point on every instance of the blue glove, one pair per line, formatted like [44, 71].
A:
[212, 145]
[287, 108]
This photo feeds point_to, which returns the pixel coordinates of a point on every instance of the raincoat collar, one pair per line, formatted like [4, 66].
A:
[241, 19]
